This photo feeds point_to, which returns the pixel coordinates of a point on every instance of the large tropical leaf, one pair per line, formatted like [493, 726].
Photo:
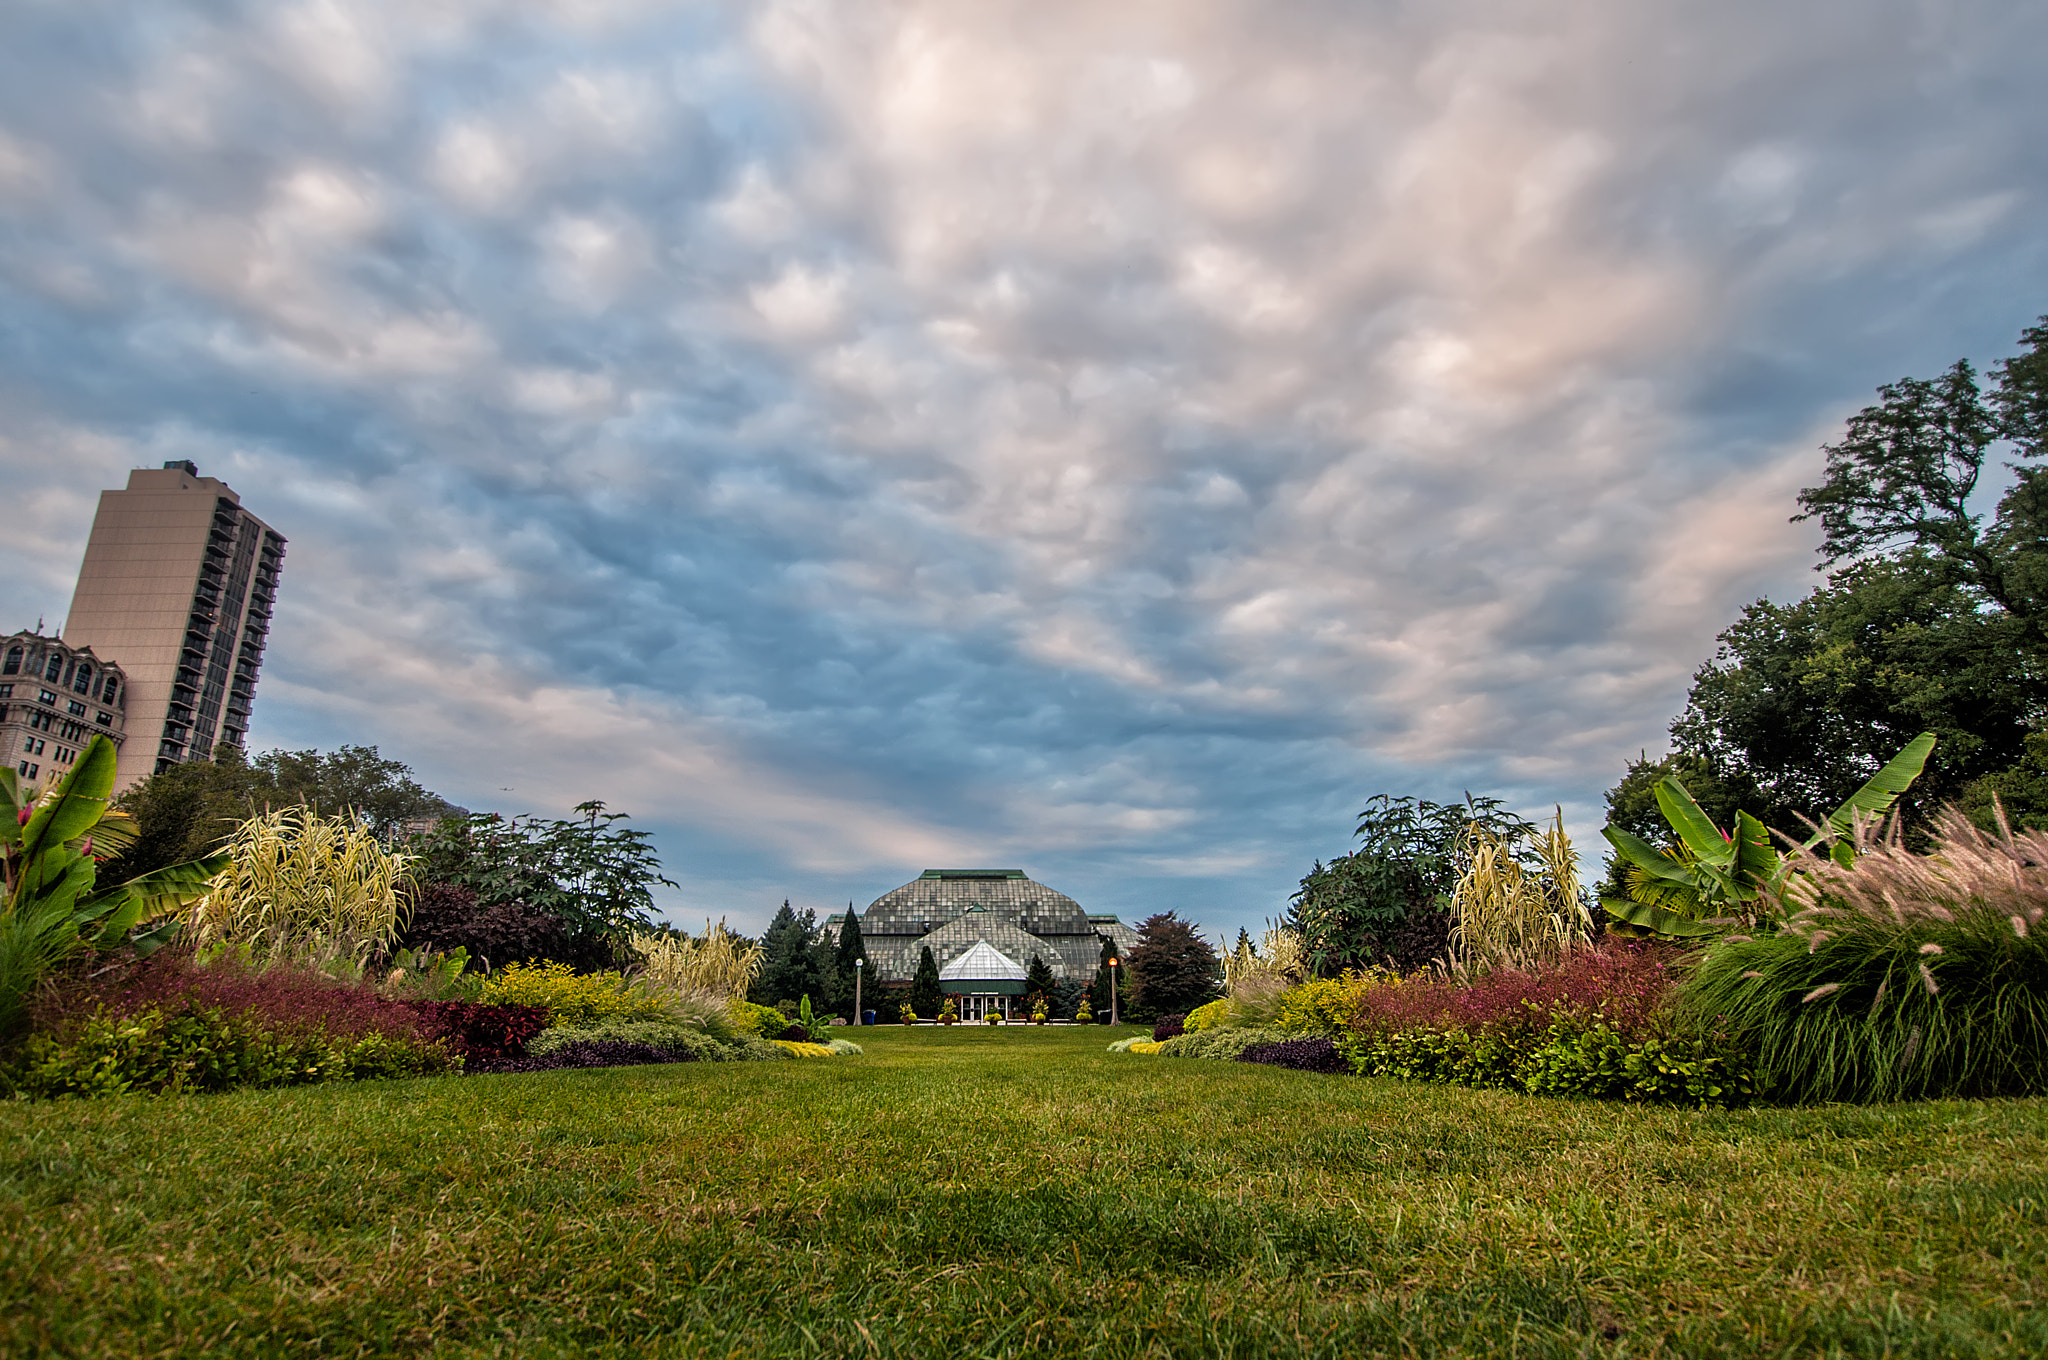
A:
[1649, 858]
[1875, 798]
[1645, 918]
[1756, 859]
[10, 806]
[160, 891]
[1706, 841]
[73, 807]
[113, 833]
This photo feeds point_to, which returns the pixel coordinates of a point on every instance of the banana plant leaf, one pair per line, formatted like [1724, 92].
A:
[1876, 797]
[123, 906]
[1643, 918]
[76, 805]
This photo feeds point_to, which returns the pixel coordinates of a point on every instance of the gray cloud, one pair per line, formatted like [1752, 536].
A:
[1114, 440]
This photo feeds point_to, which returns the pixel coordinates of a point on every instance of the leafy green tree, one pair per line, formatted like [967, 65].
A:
[190, 810]
[1931, 619]
[1173, 969]
[595, 878]
[926, 996]
[2022, 791]
[1385, 903]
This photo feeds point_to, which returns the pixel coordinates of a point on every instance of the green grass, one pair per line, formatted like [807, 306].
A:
[996, 1192]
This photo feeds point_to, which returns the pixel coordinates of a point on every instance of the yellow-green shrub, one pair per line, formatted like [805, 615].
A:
[1215, 1015]
[1320, 1005]
[1145, 1046]
[572, 998]
[797, 1050]
[763, 1022]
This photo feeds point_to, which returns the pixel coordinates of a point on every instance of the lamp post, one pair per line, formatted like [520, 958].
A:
[858, 965]
[1112, 991]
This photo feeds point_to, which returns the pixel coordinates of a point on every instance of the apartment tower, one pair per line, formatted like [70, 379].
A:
[177, 586]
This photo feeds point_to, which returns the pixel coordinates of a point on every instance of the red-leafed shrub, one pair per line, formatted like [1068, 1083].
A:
[477, 1032]
[1624, 982]
[279, 997]
[1318, 1054]
[1171, 1027]
[795, 1034]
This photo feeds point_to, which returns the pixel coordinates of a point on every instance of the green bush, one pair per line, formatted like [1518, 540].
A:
[687, 1042]
[1567, 1058]
[1215, 1015]
[763, 1022]
[1225, 1044]
[205, 1049]
[1897, 976]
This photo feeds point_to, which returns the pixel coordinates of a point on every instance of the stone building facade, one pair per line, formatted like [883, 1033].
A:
[54, 698]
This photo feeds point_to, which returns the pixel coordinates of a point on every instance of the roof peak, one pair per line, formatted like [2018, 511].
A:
[972, 873]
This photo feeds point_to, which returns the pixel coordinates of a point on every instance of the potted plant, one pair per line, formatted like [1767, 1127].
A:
[906, 1014]
[949, 1014]
[1085, 1014]
[1038, 1011]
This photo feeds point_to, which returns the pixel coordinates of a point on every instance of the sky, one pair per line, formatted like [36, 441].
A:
[1112, 441]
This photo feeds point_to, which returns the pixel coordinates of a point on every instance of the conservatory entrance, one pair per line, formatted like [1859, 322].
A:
[985, 979]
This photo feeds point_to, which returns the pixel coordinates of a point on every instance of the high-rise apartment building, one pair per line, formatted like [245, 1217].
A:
[177, 586]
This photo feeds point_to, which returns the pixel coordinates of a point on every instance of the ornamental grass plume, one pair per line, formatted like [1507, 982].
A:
[721, 963]
[305, 887]
[1508, 914]
[1896, 976]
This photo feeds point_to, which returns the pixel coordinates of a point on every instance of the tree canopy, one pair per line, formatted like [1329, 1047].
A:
[1931, 618]
[1173, 969]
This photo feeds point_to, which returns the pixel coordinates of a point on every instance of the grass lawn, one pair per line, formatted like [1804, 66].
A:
[995, 1192]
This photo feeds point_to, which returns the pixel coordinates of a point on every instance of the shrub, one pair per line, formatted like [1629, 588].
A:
[845, 1048]
[1897, 976]
[1149, 1047]
[1625, 982]
[1224, 1044]
[793, 1034]
[477, 1032]
[763, 1022]
[572, 998]
[1215, 1015]
[1320, 1005]
[1565, 1058]
[445, 916]
[682, 1042]
[1169, 1027]
[184, 1047]
[1318, 1054]
[591, 1053]
[798, 1049]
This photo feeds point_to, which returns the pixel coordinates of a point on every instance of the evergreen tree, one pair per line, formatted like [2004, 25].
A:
[846, 952]
[1039, 982]
[925, 995]
[1173, 969]
[788, 970]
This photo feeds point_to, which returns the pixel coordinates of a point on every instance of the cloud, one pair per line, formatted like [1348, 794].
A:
[1115, 440]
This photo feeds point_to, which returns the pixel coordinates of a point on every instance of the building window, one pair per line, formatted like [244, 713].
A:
[106, 719]
[108, 690]
[6, 691]
[31, 747]
[82, 684]
[46, 696]
[28, 769]
[55, 668]
[13, 666]
[77, 709]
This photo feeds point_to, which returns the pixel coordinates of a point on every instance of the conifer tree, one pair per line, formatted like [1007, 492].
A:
[1039, 982]
[846, 951]
[925, 995]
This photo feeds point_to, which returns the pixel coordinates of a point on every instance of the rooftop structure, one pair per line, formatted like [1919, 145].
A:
[177, 585]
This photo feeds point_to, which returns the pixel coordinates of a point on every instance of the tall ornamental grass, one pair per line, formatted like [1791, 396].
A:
[305, 887]
[1509, 914]
[720, 964]
[1898, 976]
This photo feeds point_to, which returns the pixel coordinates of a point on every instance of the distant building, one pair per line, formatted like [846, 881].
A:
[54, 698]
[983, 926]
[177, 585]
